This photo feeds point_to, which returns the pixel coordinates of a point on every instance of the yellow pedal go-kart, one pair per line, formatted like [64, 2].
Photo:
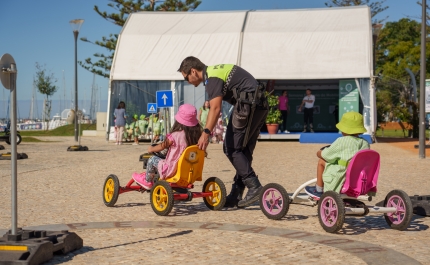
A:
[165, 192]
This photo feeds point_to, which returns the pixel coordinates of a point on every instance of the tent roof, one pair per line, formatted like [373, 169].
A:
[327, 43]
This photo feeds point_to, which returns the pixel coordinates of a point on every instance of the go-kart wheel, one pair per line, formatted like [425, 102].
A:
[18, 139]
[331, 211]
[217, 200]
[111, 190]
[161, 198]
[274, 201]
[400, 219]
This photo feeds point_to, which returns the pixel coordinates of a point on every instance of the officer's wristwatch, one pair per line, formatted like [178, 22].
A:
[207, 131]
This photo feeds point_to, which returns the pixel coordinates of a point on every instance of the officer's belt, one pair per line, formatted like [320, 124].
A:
[248, 97]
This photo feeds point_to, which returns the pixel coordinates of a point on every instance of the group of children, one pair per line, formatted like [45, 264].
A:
[186, 131]
[143, 127]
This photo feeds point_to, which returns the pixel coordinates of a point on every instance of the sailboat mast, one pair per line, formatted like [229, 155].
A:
[30, 116]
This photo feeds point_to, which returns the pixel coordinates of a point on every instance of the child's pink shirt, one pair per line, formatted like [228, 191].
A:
[167, 167]
[219, 129]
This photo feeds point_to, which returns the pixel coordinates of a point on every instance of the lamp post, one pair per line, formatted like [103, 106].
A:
[422, 128]
[76, 25]
[376, 29]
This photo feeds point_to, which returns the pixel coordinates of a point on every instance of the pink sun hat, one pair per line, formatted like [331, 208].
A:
[187, 115]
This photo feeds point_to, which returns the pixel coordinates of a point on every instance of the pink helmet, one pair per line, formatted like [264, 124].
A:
[187, 115]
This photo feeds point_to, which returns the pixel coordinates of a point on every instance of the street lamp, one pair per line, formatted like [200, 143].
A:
[376, 29]
[423, 71]
[76, 25]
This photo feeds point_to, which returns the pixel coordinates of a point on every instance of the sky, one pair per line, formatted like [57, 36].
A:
[39, 31]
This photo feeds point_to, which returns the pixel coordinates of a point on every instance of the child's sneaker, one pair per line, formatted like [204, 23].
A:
[140, 179]
[312, 191]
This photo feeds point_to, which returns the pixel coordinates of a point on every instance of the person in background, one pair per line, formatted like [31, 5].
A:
[283, 107]
[203, 113]
[135, 129]
[120, 117]
[219, 131]
[308, 101]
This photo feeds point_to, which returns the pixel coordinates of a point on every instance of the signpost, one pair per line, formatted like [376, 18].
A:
[165, 100]
[8, 79]
[152, 108]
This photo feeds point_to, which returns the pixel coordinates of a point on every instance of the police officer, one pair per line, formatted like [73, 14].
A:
[236, 86]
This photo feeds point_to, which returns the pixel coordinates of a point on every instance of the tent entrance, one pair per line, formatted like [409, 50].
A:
[326, 106]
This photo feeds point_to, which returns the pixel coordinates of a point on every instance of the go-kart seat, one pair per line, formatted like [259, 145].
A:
[362, 174]
[190, 167]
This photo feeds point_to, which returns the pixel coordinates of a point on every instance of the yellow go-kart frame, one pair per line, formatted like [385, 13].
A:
[165, 192]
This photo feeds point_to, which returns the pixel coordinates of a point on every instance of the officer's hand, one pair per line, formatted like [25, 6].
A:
[203, 141]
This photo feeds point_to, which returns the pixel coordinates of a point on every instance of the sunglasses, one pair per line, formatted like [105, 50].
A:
[186, 77]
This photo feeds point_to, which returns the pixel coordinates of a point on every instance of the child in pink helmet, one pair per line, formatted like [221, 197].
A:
[185, 132]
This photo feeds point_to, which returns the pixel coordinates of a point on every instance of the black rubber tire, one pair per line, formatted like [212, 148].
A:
[18, 137]
[158, 187]
[111, 179]
[408, 210]
[340, 206]
[284, 197]
[222, 195]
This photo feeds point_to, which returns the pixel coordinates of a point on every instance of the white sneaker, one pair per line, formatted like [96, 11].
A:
[279, 131]
[286, 131]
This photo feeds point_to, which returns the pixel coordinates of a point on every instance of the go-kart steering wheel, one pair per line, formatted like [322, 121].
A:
[161, 154]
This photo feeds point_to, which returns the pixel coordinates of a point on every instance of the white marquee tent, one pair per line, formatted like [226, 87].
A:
[306, 44]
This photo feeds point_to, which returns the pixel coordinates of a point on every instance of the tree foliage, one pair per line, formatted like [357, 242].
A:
[376, 7]
[399, 47]
[122, 9]
[44, 81]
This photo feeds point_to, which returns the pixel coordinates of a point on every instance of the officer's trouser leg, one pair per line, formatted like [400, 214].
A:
[241, 159]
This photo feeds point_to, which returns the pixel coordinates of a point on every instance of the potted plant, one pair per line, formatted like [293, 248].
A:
[274, 116]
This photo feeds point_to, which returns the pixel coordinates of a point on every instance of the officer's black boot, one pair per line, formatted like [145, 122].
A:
[253, 194]
[235, 195]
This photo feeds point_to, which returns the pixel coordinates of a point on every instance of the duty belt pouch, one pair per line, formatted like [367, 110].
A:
[240, 115]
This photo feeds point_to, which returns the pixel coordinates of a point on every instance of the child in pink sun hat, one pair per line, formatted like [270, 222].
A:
[185, 132]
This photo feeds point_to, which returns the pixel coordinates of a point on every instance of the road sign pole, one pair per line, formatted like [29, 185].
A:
[8, 79]
[13, 149]
[167, 120]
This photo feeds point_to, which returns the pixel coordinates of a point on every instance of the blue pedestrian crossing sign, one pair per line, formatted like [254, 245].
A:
[152, 107]
[164, 98]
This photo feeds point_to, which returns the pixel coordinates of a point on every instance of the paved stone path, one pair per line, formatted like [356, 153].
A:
[60, 187]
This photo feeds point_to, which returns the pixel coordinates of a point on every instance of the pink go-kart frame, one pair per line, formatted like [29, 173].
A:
[360, 185]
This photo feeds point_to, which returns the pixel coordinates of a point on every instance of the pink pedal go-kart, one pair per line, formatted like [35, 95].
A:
[360, 183]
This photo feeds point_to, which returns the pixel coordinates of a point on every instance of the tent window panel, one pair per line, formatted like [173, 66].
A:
[136, 95]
